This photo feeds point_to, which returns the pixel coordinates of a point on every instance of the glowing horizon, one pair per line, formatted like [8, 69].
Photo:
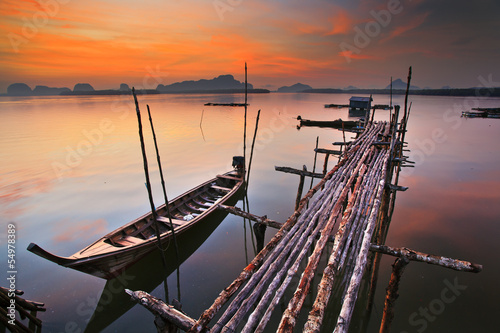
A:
[60, 43]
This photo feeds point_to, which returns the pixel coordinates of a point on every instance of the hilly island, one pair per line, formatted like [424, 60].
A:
[227, 84]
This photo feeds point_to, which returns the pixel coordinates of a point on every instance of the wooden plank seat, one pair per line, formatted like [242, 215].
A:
[128, 240]
[194, 207]
[228, 177]
[221, 188]
[175, 222]
[185, 210]
[202, 204]
[208, 198]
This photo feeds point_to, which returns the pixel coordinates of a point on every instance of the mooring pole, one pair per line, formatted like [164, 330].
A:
[245, 127]
[167, 207]
[251, 151]
[148, 186]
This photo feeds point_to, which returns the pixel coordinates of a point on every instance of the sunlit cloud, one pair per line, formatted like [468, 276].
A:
[106, 41]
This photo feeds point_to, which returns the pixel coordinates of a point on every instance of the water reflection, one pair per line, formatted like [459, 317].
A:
[149, 273]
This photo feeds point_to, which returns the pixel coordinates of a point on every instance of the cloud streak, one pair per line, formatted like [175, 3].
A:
[105, 41]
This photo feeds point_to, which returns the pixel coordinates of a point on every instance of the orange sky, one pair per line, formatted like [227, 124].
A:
[321, 43]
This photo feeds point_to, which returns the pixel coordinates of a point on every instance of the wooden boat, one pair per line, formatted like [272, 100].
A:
[117, 250]
[328, 123]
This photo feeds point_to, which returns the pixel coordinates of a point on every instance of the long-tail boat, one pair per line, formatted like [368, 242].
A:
[112, 253]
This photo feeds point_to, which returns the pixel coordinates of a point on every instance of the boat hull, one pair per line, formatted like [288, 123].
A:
[110, 255]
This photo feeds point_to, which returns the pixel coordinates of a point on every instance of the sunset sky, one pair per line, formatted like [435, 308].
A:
[333, 44]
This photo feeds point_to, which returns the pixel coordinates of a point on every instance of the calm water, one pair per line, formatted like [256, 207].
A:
[72, 171]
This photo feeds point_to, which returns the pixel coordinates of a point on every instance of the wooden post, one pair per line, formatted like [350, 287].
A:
[251, 151]
[315, 156]
[245, 126]
[259, 230]
[300, 189]
[392, 294]
[325, 164]
[160, 309]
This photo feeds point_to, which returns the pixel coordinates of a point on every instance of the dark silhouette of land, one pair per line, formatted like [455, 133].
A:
[298, 87]
[227, 84]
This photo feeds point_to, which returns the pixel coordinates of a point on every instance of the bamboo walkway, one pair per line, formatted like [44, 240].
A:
[349, 207]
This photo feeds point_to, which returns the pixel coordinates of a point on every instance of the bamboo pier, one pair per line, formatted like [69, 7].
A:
[348, 209]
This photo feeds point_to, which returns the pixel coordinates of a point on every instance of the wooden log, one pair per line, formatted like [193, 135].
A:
[455, 264]
[327, 151]
[299, 172]
[18, 325]
[392, 294]
[259, 219]
[345, 315]
[316, 314]
[159, 308]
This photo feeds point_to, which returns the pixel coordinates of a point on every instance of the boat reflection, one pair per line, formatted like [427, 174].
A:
[149, 273]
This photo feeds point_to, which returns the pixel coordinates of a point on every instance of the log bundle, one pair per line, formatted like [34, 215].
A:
[351, 196]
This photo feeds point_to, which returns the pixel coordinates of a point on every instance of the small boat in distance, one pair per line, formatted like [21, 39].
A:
[348, 124]
[112, 253]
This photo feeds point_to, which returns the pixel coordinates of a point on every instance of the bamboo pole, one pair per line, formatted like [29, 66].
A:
[251, 151]
[165, 197]
[259, 219]
[299, 172]
[392, 294]
[455, 264]
[245, 125]
[161, 309]
[148, 183]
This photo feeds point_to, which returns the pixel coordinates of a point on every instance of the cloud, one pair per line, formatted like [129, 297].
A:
[408, 26]
[342, 23]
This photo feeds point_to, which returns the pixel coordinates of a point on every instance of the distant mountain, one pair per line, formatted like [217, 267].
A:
[47, 91]
[399, 84]
[124, 87]
[83, 87]
[222, 82]
[298, 87]
[350, 88]
[19, 89]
